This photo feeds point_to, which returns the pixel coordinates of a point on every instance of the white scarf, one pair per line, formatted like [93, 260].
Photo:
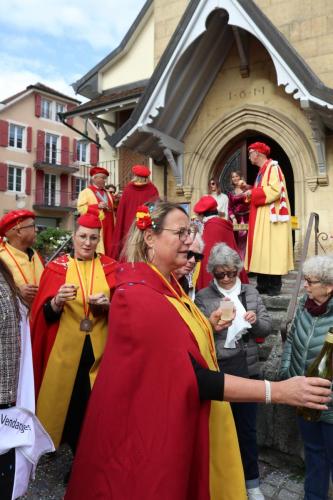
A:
[239, 324]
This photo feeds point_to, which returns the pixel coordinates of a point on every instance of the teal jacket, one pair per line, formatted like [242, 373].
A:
[303, 344]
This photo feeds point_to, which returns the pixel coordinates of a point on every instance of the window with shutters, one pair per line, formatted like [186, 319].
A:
[82, 151]
[60, 108]
[16, 136]
[46, 109]
[51, 190]
[80, 184]
[15, 179]
[52, 150]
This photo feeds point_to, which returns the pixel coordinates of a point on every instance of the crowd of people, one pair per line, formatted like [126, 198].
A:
[136, 364]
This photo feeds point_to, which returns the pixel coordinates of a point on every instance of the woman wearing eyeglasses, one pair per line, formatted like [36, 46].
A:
[152, 430]
[69, 330]
[214, 190]
[313, 318]
[236, 347]
[187, 275]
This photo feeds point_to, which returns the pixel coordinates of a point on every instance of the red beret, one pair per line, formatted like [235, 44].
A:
[98, 170]
[13, 218]
[260, 147]
[205, 204]
[141, 170]
[90, 219]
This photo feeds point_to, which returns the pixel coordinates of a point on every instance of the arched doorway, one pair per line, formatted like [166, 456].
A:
[236, 158]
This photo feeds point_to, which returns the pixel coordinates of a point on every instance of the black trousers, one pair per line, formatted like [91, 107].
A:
[7, 474]
[80, 397]
[269, 282]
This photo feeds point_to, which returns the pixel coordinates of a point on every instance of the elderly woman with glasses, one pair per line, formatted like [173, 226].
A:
[313, 318]
[236, 347]
[156, 426]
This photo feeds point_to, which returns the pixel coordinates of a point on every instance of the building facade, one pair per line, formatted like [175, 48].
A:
[43, 162]
[227, 73]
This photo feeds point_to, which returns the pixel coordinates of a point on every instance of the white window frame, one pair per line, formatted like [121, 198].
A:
[22, 168]
[80, 182]
[57, 190]
[79, 155]
[24, 136]
[45, 100]
[57, 148]
[59, 108]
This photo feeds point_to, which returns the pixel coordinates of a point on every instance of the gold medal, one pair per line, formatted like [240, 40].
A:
[86, 325]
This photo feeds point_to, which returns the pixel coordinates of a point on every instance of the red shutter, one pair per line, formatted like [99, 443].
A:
[70, 120]
[39, 187]
[3, 133]
[29, 139]
[38, 101]
[74, 150]
[40, 146]
[64, 190]
[64, 150]
[3, 177]
[28, 180]
[93, 154]
[73, 182]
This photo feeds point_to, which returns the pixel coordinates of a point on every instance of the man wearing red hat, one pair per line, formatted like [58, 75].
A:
[96, 196]
[215, 230]
[269, 243]
[18, 228]
[69, 330]
[136, 193]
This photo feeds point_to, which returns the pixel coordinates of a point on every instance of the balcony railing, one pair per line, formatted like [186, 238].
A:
[53, 199]
[110, 165]
[59, 159]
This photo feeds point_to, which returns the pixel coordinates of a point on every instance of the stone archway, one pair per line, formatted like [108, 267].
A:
[263, 121]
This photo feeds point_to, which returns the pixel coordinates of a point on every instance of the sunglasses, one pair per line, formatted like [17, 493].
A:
[229, 274]
[197, 256]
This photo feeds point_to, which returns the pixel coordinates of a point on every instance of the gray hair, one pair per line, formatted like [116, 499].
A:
[320, 267]
[222, 255]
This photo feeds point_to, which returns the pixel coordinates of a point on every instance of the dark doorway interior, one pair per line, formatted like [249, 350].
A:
[236, 158]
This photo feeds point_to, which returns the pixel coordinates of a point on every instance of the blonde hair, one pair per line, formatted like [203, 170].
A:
[136, 249]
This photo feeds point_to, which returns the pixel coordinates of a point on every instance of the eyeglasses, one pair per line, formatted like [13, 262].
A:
[197, 256]
[26, 227]
[183, 233]
[212, 183]
[222, 275]
[310, 282]
[250, 152]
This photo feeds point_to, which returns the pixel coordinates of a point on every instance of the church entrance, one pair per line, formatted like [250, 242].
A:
[236, 158]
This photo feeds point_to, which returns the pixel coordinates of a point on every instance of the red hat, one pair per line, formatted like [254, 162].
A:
[205, 204]
[90, 219]
[13, 218]
[141, 170]
[98, 170]
[260, 147]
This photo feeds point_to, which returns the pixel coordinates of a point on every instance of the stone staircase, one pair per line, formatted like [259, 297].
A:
[276, 424]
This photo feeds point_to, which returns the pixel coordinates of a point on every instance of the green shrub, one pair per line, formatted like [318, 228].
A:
[49, 240]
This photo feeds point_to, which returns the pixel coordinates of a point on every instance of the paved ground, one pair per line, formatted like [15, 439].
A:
[281, 479]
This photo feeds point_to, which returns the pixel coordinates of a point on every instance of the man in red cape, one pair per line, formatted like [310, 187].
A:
[216, 230]
[96, 196]
[136, 193]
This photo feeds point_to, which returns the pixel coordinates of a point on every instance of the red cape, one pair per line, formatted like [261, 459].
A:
[107, 222]
[133, 196]
[146, 432]
[216, 230]
[43, 334]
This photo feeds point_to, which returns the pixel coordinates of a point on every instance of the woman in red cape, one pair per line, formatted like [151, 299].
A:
[156, 427]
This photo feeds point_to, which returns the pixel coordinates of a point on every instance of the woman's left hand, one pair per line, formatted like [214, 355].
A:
[98, 299]
[251, 317]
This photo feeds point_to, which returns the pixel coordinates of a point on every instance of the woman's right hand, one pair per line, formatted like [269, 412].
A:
[66, 292]
[312, 392]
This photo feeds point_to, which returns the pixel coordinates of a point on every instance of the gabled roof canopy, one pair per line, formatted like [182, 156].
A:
[191, 62]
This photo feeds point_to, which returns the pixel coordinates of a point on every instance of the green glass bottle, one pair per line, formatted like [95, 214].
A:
[321, 367]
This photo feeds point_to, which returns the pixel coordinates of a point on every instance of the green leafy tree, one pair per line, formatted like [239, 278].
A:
[49, 240]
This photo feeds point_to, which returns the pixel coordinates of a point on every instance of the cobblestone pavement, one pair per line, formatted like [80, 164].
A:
[280, 479]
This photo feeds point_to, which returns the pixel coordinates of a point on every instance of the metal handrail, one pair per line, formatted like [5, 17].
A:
[313, 220]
